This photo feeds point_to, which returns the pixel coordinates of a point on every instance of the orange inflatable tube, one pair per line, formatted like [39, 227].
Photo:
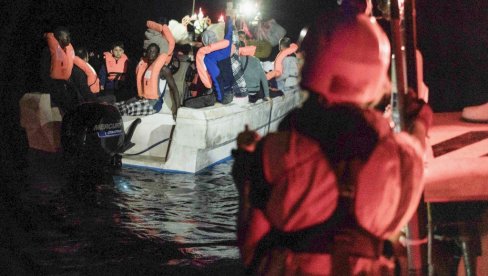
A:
[166, 32]
[201, 68]
[278, 64]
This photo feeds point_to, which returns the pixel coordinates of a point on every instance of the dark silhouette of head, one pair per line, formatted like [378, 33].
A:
[81, 52]
[63, 36]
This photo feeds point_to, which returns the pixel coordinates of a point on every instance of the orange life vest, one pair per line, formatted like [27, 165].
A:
[91, 76]
[201, 68]
[115, 67]
[278, 64]
[61, 59]
[148, 77]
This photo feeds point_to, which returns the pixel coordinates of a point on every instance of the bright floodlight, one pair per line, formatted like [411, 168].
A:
[248, 8]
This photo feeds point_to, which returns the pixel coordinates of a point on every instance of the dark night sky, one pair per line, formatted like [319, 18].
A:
[96, 24]
[452, 36]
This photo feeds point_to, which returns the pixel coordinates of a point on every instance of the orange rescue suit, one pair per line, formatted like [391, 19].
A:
[61, 59]
[91, 76]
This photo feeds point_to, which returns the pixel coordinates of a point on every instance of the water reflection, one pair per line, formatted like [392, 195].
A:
[197, 212]
[134, 222]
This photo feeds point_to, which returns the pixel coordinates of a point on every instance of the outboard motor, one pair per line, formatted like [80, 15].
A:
[93, 137]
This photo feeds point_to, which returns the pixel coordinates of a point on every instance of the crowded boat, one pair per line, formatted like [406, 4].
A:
[205, 92]
[194, 91]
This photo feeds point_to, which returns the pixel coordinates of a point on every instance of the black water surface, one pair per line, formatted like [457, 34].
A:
[132, 222]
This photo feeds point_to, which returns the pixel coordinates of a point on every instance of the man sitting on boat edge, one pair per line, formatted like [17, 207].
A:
[148, 75]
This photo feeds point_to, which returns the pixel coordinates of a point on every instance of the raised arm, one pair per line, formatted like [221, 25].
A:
[51, 40]
[278, 64]
[166, 33]
[201, 68]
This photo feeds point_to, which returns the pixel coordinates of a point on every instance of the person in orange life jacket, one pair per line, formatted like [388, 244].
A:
[84, 77]
[56, 67]
[323, 195]
[287, 80]
[113, 72]
[214, 63]
[166, 42]
[148, 73]
[86, 80]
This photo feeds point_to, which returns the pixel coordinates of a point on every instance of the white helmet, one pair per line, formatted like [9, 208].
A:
[351, 64]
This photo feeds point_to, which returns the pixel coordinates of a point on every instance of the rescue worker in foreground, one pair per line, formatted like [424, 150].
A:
[323, 195]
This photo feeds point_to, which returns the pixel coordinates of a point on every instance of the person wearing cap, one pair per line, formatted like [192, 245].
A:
[324, 194]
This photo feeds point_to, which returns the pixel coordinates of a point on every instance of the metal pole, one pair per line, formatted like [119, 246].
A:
[411, 44]
[403, 30]
[399, 66]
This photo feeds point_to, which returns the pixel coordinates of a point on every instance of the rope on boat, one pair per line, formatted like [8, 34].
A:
[270, 114]
[150, 147]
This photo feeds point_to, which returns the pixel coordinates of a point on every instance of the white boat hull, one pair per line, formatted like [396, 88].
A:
[198, 139]
[203, 137]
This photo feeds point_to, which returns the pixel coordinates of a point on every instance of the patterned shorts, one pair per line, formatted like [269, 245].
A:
[138, 108]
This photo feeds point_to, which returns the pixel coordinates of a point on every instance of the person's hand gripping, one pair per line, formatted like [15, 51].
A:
[247, 139]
